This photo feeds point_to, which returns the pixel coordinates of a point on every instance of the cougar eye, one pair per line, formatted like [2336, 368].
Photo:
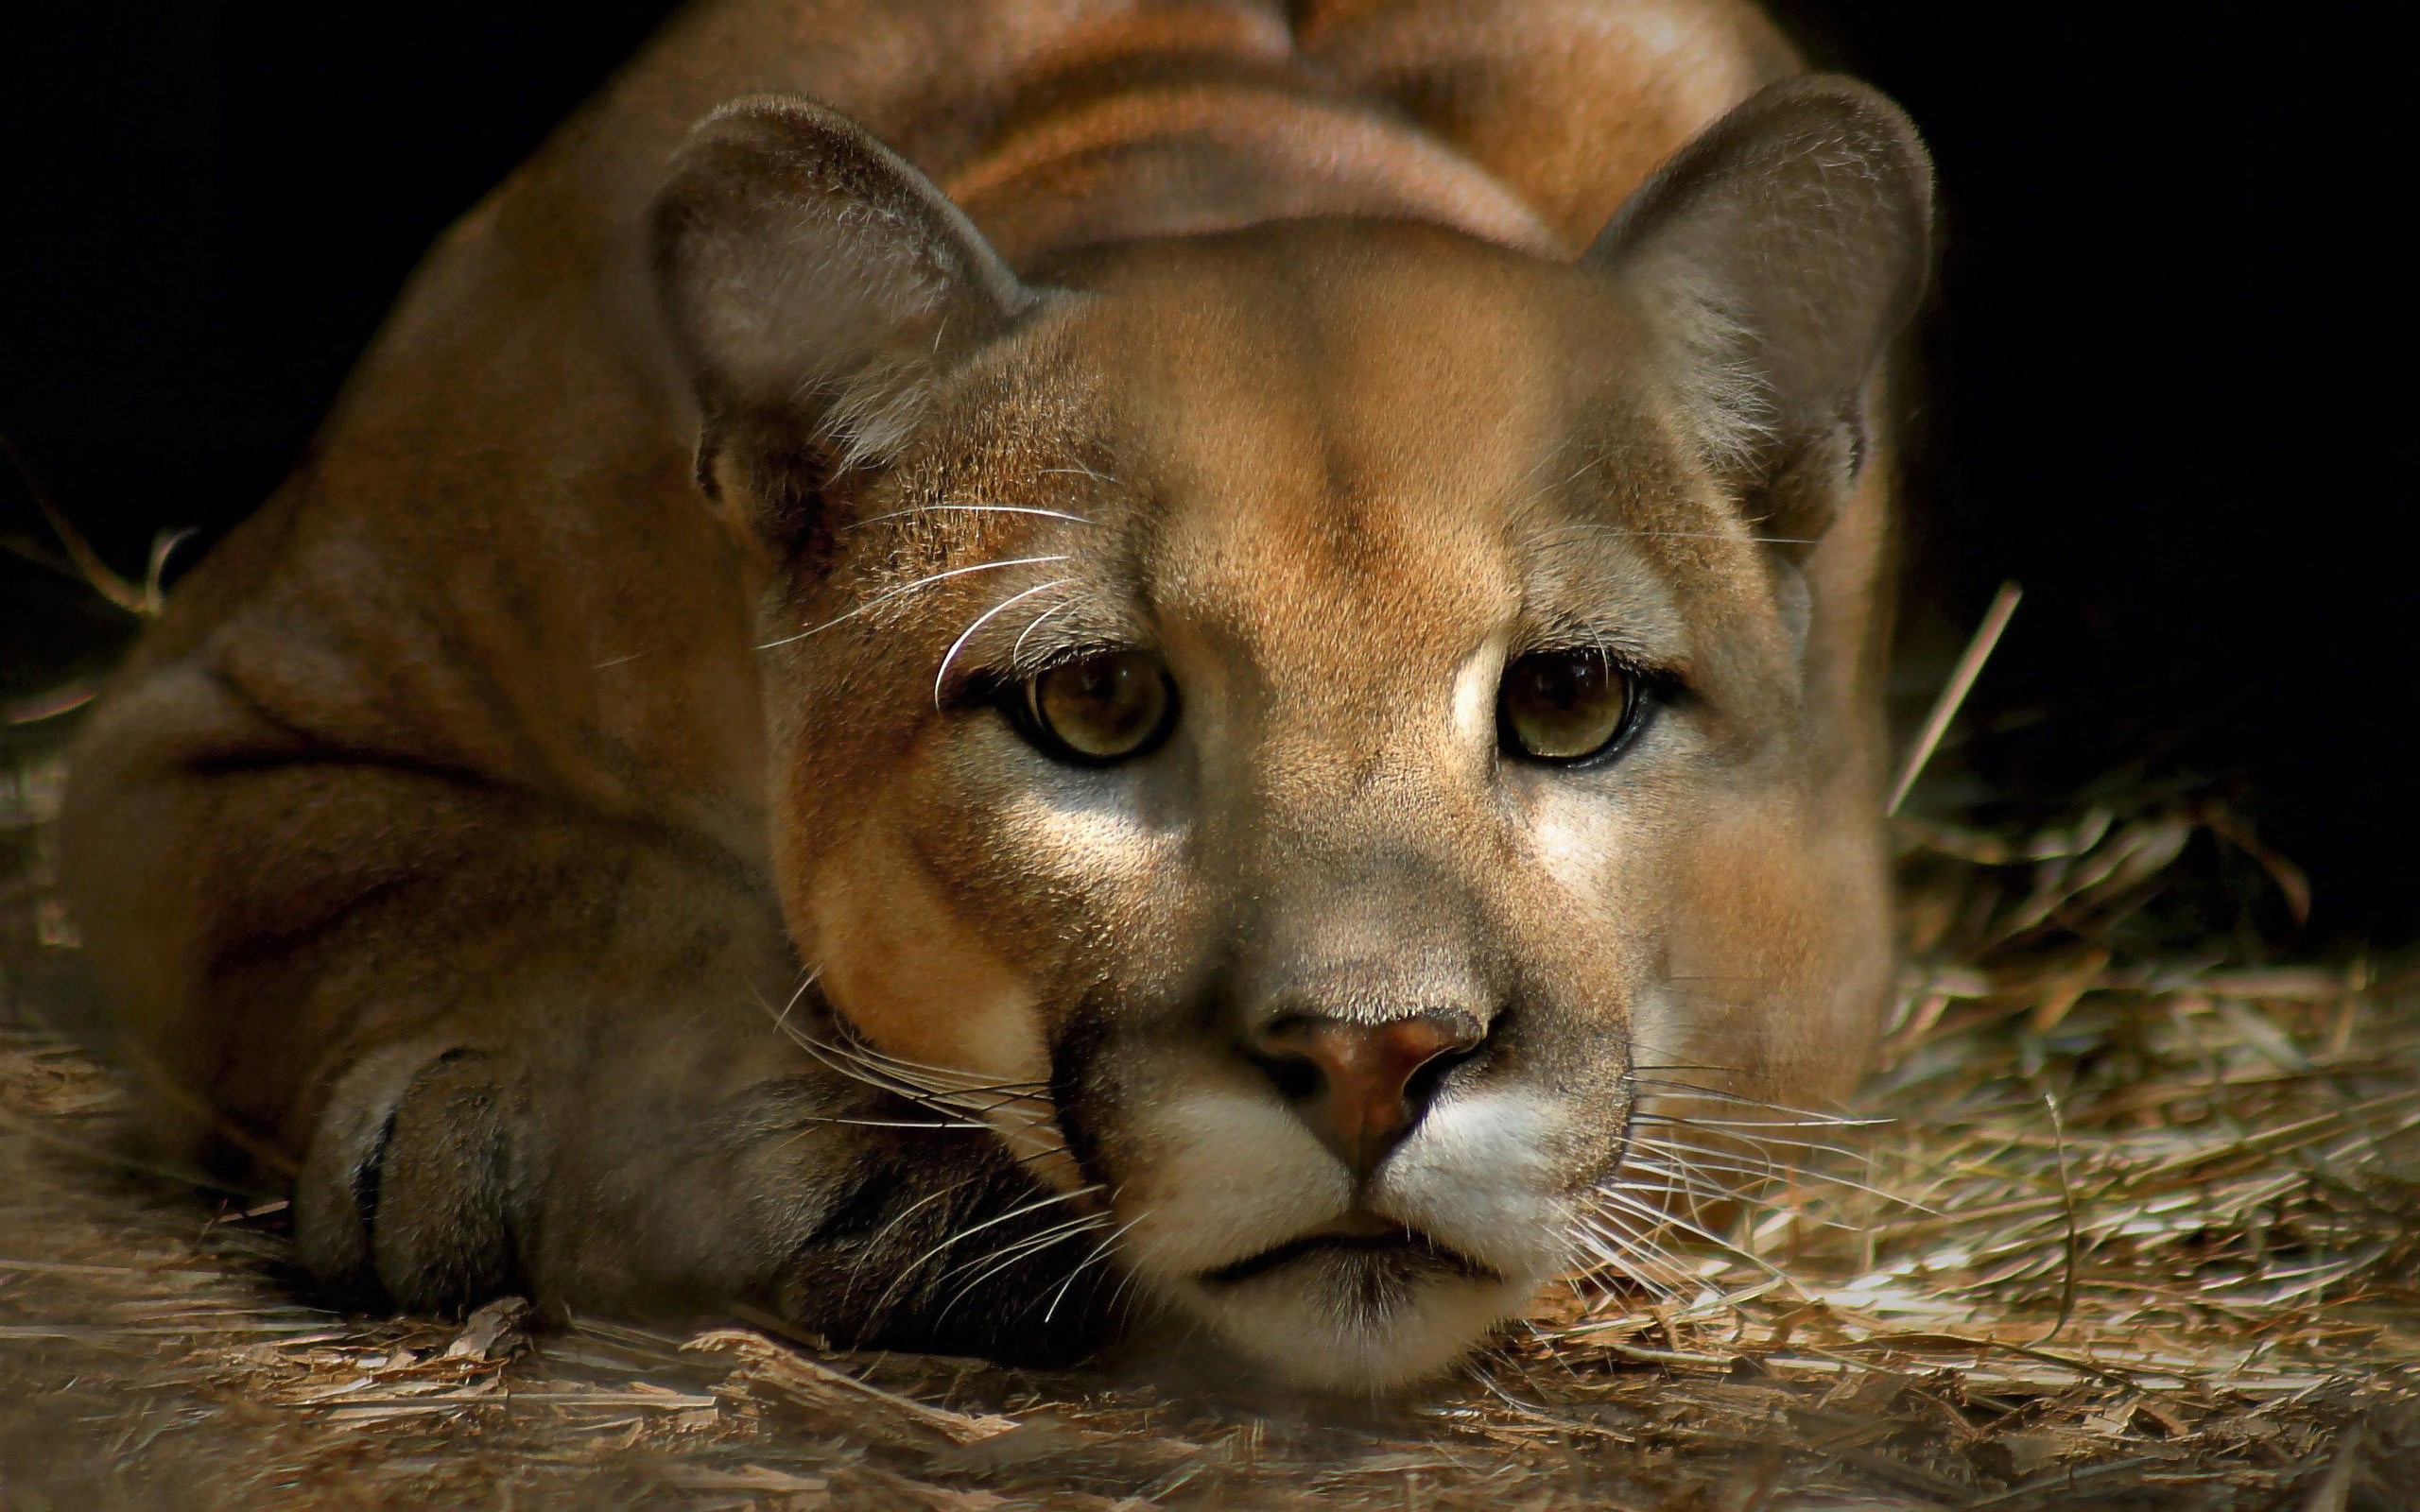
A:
[1106, 707]
[1563, 706]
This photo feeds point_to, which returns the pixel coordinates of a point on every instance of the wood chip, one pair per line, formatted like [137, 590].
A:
[493, 1331]
[810, 1383]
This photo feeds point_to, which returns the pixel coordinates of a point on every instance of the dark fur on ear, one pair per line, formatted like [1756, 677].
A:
[1780, 254]
[815, 284]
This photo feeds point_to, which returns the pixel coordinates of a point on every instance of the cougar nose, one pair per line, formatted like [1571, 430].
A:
[1359, 1084]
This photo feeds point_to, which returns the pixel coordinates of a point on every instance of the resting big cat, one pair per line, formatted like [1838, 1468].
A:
[998, 675]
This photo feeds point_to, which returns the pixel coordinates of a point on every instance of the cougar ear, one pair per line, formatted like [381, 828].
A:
[815, 284]
[1780, 254]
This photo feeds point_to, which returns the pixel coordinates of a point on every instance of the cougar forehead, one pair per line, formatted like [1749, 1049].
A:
[1334, 480]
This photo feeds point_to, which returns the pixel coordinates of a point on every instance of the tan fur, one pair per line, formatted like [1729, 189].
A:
[489, 770]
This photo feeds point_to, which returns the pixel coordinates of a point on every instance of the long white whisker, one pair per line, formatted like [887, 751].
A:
[1693, 1193]
[1797, 1117]
[915, 1080]
[1017, 650]
[962, 1125]
[970, 509]
[877, 1078]
[879, 600]
[1698, 1162]
[1079, 471]
[1725, 1128]
[1762, 1122]
[1697, 1187]
[1009, 1253]
[858, 1065]
[981, 619]
[1639, 1077]
[1603, 1250]
[960, 1111]
[1101, 1251]
[908, 1271]
[1012, 1254]
[873, 1245]
[1635, 1258]
[1118, 1293]
[1632, 1256]
[925, 1073]
[1783, 1172]
[1695, 1181]
[1617, 1195]
[806, 983]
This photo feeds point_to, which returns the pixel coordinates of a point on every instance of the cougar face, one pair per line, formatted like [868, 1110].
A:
[1309, 717]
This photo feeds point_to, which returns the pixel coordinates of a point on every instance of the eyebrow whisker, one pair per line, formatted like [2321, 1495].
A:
[1079, 470]
[1018, 649]
[981, 619]
[899, 592]
[970, 509]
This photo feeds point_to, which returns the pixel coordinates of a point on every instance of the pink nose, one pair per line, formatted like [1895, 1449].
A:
[1353, 1083]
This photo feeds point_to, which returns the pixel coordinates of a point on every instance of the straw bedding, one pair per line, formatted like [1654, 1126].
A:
[2128, 1218]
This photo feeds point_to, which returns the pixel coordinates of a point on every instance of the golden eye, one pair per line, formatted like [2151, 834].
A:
[1106, 707]
[1563, 706]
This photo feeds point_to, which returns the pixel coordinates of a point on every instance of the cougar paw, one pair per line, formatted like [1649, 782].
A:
[405, 1193]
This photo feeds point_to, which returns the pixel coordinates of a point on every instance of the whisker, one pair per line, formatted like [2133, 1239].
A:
[1698, 1191]
[1590, 528]
[1696, 1178]
[1692, 1196]
[781, 1018]
[1000, 1258]
[857, 1064]
[928, 1074]
[873, 1246]
[1795, 1172]
[1079, 471]
[1603, 1250]
[1681, 1122]
[914, 1080]
[1693, 1159]
[963, 1125]
[1617, 1195]
[961, 1111]
[1101, 1252]
[900, 592]
[1117, 1293]
[970, 509]
[1777, 1140]
[981, 619]
[1012, 1254]
[840, 1060]
[1017, 650]
[1631, 1255]
[910, 1270]
[1639, 1068]
[1799, 1117]
[1636, 1075]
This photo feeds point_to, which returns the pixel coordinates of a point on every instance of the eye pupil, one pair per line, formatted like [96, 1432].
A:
[1563, 706]
[1102, 708]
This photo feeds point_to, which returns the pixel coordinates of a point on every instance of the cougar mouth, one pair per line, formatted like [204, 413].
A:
[1393, 1245]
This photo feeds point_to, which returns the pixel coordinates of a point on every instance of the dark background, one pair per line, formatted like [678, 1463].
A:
[2170, 390]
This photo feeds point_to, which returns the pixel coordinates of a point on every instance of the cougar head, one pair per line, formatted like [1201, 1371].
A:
[1295, 726]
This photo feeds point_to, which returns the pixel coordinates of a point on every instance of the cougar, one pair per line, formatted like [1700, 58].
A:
[999, 677]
